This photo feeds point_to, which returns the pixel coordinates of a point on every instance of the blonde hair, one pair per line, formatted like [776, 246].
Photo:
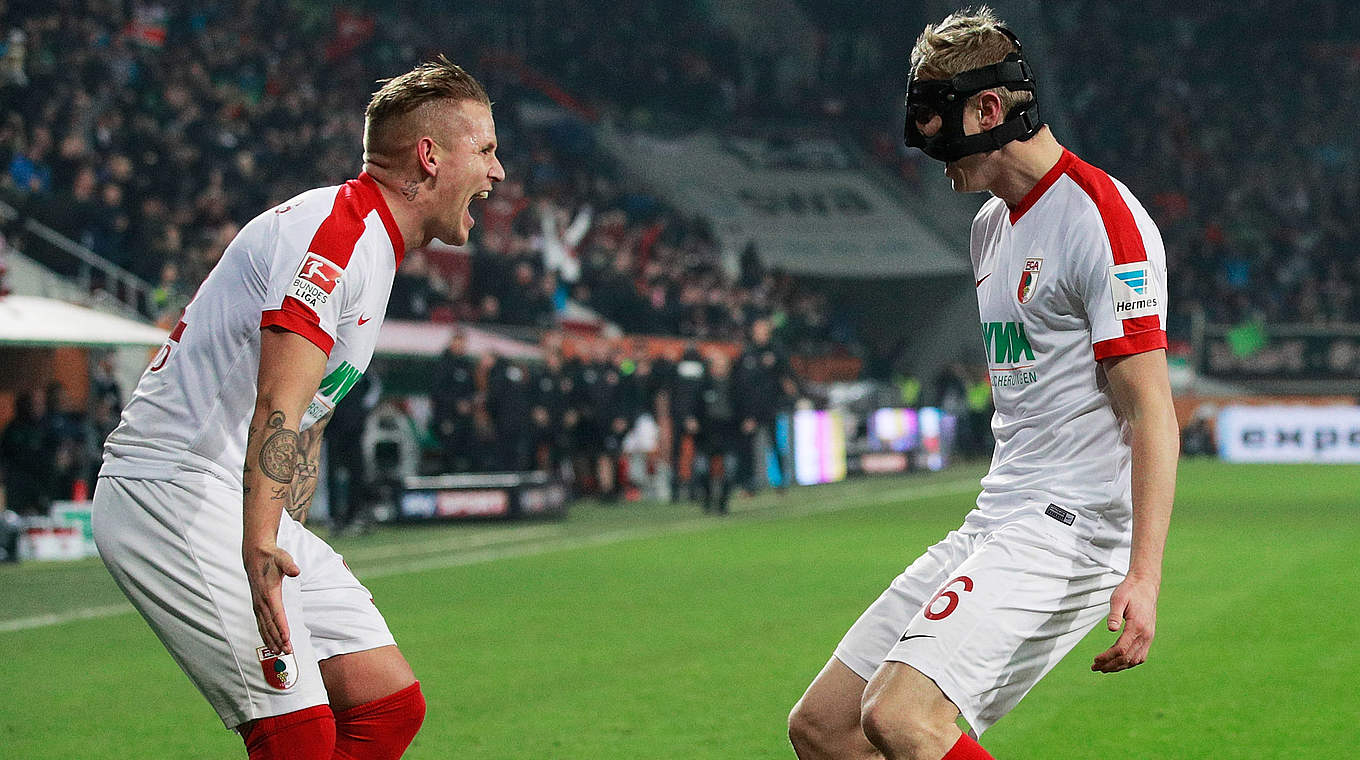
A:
[967, 39]
[400, 111]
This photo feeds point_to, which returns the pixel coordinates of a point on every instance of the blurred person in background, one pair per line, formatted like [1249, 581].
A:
[718, 438]
[66, 433]
[208, 479]
[453, 396]
[346, 460]
[509, 403]
[26, 458]
[765, 386]
[686, 407]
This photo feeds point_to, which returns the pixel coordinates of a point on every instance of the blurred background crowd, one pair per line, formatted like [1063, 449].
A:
[149, 131]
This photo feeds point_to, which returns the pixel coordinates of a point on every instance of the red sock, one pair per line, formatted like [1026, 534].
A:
[381, 729]
[302, 735]
[967, 749]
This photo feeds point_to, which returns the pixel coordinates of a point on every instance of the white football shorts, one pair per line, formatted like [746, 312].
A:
[985, 615]
[174, 547]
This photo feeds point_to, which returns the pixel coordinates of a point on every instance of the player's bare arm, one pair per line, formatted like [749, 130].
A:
[299, 496]
[1142, 396]
[291, 368]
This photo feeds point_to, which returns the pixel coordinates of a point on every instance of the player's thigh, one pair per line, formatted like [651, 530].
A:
[361, 677]
[1003, 618]
[879, 627]
[174, 549]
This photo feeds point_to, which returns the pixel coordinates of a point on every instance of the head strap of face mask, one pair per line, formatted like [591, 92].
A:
[948, 98]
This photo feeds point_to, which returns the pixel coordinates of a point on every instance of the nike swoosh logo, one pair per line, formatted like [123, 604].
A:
[919, 635]
[978, 284]
[363, 319]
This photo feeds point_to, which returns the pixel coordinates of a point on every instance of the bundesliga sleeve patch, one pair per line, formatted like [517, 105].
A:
[1133, 290]
[314, 281]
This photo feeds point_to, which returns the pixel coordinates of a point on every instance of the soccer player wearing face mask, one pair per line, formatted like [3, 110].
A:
[1072, 519]
[206, 482]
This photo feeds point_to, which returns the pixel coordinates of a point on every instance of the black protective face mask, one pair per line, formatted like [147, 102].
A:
[947, 99]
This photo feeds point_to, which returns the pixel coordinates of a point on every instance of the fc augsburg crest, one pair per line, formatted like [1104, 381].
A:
[1029, 280]
[280, 670]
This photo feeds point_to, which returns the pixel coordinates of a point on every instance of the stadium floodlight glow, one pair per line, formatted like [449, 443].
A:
[947, 98]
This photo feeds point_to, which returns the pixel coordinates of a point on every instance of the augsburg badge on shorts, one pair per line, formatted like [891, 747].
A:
[280, 670]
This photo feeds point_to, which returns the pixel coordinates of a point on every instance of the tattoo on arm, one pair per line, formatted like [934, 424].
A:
[306, 470]
[290, 459]
[279, 452]
[410, 188]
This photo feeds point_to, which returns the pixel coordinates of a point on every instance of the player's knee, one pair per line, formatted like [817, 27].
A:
[894, 726]
[812, 734]
[302, 735]
[381, 729]
[804, 731]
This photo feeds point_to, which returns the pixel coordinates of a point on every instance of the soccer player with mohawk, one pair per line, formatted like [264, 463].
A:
[206, 482]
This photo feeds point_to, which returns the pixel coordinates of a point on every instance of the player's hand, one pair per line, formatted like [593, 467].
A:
[1134, 608]
[265, 568]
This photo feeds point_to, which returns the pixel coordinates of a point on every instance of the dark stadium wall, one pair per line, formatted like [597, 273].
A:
[31, 369]
[914, 325]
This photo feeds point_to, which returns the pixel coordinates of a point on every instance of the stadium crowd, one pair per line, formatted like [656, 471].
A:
[1235, 121]
[150, 132]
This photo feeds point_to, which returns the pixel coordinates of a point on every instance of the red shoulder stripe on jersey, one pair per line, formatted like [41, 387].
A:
[1132, 343]
[178, 332]
[1045, 182]
[1126, 240]
[294, 322]
[341, 229]
[369, 187]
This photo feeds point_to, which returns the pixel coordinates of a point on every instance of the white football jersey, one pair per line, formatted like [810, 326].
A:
[319, 265]
[1074, 274]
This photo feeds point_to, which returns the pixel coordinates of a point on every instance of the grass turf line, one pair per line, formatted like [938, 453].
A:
[694, 643]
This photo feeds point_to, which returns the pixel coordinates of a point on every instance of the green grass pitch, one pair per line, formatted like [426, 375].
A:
[647, 631]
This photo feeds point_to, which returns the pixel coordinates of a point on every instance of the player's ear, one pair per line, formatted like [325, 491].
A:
[426, 158]
[990, 114]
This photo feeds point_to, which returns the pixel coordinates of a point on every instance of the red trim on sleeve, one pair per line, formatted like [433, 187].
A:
[178, 332]
[1045, 182]
[1126, 240]
[295, 322]
[1131, 343]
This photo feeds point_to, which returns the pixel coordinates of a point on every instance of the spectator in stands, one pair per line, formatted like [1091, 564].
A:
[26, 458]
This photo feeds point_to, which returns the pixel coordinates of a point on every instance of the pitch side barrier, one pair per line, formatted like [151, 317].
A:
[482, 496]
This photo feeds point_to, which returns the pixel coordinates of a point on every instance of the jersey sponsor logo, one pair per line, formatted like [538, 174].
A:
[1133, 290]
[1007, 343]
[280, 670]
[333, 387]
[1029, 280]
[363, 319]
[905, 637]
[315, 281]
[978, 284]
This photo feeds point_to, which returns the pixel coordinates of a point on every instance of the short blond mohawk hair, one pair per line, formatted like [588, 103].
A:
[399, 110]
